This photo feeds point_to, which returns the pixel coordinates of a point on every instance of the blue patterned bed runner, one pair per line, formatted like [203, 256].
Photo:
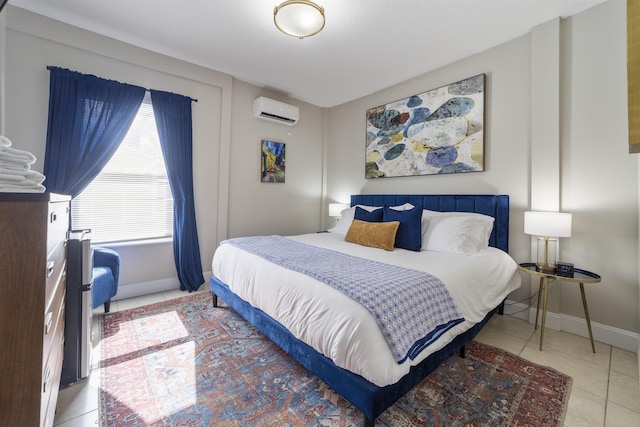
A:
[412, 308]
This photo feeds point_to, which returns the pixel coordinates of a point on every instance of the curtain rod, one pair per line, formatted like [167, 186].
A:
[49, 67]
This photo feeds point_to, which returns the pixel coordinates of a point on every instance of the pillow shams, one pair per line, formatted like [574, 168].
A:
[346, 216]
[465, 234]
[370, 216]
[409, 234]
[405, 207]
[343, 223]
[380, 235]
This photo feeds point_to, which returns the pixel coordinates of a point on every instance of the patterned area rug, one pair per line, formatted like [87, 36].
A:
[184, 363]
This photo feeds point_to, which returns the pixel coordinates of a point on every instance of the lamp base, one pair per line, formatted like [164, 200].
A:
[547, 250]
[546, 268]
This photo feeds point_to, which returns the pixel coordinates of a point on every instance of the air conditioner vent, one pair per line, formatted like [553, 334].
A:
[275, 111]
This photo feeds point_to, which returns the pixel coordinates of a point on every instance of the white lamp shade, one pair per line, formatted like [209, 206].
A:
[335, 209]
[550, 224]
[299, 18]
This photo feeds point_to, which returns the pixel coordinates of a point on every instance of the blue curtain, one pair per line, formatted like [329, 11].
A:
[173, 119]
[88, 119]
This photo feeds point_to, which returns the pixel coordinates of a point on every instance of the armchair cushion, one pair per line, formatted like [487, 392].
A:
[106, 270]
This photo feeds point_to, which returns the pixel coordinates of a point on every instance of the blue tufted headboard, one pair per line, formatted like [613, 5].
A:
[496, 206]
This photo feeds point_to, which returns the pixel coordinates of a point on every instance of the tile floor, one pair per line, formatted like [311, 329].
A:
[605, 385]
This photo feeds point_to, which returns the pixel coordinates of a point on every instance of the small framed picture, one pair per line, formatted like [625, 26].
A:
[272, 164]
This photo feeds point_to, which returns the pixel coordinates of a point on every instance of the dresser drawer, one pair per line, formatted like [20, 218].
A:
[51, 373]
[55, 272]
[53, 320]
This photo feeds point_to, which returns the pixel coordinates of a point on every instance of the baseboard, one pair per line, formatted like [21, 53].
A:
[558, 322]
[575, 325]
[145, 288]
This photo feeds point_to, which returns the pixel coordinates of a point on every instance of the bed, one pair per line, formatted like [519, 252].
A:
[350, 357]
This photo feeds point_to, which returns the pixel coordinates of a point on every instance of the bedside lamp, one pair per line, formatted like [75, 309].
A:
[548, 226]
[335, 209]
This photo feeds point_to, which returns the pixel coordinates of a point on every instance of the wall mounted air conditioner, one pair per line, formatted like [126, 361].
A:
[275, 111]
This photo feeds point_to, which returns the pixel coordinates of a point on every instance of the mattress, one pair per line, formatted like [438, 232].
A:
[342, 329]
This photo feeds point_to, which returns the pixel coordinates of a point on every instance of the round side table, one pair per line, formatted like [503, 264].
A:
[579, 276]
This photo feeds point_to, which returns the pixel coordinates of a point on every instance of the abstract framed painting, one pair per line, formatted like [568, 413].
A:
[272, 165]
[440, 131]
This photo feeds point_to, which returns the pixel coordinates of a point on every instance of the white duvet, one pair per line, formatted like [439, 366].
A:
[341, 328]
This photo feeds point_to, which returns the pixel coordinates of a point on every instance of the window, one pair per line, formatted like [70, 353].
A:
[130, 199]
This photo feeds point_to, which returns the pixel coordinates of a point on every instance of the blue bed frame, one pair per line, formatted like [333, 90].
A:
[369, 398]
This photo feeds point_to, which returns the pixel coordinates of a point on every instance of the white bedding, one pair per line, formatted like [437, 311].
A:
[341, 328]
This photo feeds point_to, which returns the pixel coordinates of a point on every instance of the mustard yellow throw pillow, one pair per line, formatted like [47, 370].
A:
[374, 234]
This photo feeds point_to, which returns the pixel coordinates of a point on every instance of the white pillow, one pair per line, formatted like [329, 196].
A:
[462, 233]
[368, 208]
[346, 217]
[426, 214]
[405, 207]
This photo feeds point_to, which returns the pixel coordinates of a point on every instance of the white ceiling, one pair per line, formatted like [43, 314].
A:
[366, 45]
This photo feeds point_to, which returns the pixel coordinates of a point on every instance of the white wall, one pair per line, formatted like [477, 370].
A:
[3, 62]
[507, 145]
[34, 42]
[599, 177]
[292, 207]
[595, 178]
[229, 198]
[325, 151]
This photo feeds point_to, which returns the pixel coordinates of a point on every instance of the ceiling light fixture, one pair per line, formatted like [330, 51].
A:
[299, 18]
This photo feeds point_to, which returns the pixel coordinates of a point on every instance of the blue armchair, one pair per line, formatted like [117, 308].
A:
[106, 268]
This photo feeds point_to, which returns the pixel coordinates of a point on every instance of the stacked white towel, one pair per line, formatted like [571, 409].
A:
[16, 175]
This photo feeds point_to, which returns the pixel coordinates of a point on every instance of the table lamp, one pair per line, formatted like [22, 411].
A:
[548, 226]
[335, 209]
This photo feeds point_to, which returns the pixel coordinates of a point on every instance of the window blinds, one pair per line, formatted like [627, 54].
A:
[130, 199]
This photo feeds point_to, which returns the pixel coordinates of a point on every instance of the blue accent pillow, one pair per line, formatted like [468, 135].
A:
[365, 215]
[409, 235]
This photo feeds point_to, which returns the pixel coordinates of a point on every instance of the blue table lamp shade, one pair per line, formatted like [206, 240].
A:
[548, 226]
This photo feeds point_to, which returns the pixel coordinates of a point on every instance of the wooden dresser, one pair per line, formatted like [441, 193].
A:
[32, 293]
